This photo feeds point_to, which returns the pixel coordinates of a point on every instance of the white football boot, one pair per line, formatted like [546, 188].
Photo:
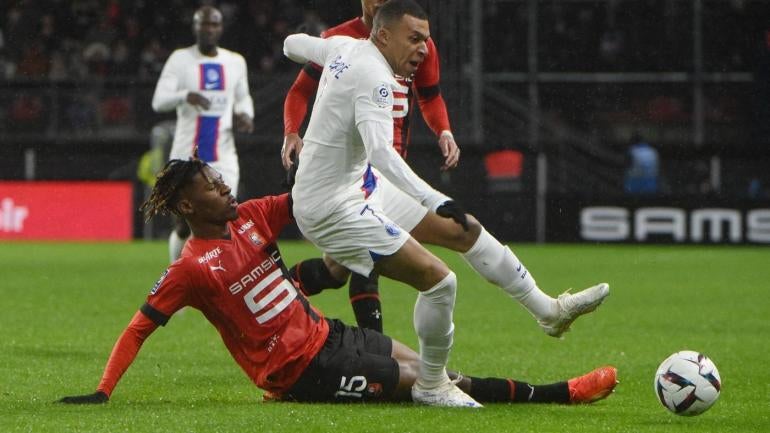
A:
[445, 395]
[571, 306]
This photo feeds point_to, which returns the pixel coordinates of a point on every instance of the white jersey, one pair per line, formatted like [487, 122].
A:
[351, 127]
[223, 79]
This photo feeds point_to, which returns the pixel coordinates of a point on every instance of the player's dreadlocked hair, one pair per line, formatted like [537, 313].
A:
[172, 178]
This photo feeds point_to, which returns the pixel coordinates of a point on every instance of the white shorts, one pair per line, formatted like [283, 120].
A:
[398, 205]
[355, 234]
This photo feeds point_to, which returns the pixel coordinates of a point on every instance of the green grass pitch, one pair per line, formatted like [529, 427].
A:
[64, 305]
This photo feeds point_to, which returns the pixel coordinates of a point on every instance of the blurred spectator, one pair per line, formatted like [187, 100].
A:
[135, 38]
[152, 59]
[97, 57]
[642, 176]
[312, 24]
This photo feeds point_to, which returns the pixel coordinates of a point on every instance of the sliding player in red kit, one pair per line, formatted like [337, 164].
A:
[238, 282]
[231, 270]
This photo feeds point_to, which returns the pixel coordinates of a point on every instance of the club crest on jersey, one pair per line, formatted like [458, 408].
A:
[154, 289]
[212, 76]
[382, 96]
[256, 239]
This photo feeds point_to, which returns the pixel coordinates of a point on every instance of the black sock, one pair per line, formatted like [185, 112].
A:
[313, 277]
[501, 390]
[365, 300]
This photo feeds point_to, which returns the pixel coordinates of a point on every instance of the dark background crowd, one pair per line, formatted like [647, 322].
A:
[76, 79]
[76, 39]
[80, 39]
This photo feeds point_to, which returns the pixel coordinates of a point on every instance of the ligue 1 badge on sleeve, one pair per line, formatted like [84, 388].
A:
[382, 96]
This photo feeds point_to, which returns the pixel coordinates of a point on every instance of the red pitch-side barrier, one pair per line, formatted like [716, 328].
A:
[66, 210]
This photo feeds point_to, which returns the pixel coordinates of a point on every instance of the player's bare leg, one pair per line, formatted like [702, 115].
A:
[588, 388]
[414, 265]
[500, 266]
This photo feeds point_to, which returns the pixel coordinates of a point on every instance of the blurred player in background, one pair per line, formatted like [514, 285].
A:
[208, 87]
[232, 271]
[482, 251]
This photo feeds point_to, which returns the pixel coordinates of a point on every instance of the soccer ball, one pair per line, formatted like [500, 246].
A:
[687, 383]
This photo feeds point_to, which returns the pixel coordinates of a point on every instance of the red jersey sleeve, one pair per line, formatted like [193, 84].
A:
[170, 293]
[273, 210]
[426, 84]
[125, 350]
[296, 102]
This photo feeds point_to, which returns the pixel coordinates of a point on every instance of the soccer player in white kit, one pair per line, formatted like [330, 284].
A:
[483, 252]
[351, 130]
[208, 86]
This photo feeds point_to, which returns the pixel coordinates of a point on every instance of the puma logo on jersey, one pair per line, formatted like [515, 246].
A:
[218, 268]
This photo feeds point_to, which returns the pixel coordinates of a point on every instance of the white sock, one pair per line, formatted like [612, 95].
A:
[500, 266]
[175, 245]
[435, 330]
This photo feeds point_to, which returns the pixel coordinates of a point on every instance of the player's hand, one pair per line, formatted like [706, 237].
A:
[449, 149]
[244, 123]
[199, 101]
[96, 398]
[291, 173]
[450, 209]
[292, 145]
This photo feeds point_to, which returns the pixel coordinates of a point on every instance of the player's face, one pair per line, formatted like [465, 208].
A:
[210, 199]
[406, 44]
[207, 27]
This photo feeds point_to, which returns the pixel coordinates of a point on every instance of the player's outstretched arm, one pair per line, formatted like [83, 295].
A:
[294, 111]
[96, 398]
[123, 354]
[168, 92]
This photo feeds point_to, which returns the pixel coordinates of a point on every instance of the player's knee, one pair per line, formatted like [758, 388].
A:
[460, 240]
[435, 273]
[474, 230]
